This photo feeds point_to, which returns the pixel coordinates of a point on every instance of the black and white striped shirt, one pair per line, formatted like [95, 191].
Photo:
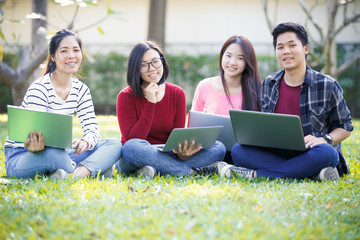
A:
[41, 96]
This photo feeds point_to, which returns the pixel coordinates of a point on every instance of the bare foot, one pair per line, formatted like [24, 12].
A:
[81, 172]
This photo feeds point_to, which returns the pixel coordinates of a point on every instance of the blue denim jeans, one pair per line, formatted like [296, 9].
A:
[24, 164]
[137, 153]
[280, 163]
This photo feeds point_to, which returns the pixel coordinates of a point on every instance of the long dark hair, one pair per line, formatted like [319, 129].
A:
[250, 80]
[133, 78]
[53, 46]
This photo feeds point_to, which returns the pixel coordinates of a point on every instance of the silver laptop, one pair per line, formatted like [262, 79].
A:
[206, 136]
[271, 130]
[202, 119]
[56, 128]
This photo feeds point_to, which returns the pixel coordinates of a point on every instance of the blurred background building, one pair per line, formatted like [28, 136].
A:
[191, 26]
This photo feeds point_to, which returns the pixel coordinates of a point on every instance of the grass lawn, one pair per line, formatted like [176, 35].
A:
[126, 207]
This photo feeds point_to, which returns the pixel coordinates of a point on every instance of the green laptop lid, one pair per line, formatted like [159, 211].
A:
[56, 128]
[271, 130]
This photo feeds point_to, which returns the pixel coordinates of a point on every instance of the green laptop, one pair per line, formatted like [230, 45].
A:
[56, 128]
[271, 130]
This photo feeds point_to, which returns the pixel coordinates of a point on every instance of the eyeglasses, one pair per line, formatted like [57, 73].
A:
[145, 67]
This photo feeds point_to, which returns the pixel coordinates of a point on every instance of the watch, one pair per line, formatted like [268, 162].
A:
[328, 138]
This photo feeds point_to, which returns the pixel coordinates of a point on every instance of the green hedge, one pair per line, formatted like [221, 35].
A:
[105, 74]
[5, 90]
[350, 79]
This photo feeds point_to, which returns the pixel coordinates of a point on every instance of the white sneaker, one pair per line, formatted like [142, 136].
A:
[327, 174]
[214, 168]
[146, 171]
[233, 171]
[59, 174]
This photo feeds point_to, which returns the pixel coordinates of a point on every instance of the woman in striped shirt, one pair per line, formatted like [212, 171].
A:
[59, 91]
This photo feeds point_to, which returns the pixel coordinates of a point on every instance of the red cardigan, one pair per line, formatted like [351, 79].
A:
[139, 118]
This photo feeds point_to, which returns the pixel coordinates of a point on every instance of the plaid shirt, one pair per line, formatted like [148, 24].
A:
[322, 105]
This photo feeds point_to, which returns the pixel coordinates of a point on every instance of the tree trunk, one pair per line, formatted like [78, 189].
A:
[27, 70]
[18, 92]
[328, 57]
[38, 39]
[156, 29]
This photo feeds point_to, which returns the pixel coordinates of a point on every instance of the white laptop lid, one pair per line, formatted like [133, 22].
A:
[201, 119]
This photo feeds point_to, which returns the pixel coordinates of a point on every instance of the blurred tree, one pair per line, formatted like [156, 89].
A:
[19, 75]
[326, 57]
[28, 58]
[156, 28]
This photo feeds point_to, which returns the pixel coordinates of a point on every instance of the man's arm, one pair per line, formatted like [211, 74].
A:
[338, 135]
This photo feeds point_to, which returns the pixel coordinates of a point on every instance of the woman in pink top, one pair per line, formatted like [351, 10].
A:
[239, 83]
[237, 87]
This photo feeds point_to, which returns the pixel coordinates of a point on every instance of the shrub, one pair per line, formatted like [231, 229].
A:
[107, 75]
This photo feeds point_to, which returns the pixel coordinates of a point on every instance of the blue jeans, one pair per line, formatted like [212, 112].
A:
[24, 164]
[137, 153]
[280, 163]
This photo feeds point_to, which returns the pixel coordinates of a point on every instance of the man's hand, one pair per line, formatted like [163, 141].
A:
[311, 141]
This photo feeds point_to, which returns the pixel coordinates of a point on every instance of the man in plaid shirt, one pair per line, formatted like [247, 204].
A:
[317, 99]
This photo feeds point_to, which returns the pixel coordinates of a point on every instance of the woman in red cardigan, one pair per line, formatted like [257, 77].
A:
[148, 110]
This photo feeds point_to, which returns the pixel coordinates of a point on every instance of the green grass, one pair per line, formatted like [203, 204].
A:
[167, 207]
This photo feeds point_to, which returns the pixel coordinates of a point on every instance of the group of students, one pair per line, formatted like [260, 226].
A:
[150, 108]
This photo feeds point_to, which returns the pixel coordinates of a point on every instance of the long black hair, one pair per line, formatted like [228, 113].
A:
[250, 80]
[54, 45]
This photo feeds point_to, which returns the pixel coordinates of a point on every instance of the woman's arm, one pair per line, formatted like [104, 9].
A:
[198, 102]
[133, 122]
[187, 149]
[86, 115]
[180, 117]
[36, 97]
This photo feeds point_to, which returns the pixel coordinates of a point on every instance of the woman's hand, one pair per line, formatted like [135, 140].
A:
[35, 142]
[80, 145]
[151, 91]
[185, 152]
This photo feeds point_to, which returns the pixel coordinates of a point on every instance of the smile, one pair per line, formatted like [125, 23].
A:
[287, 59]
[153, 75]
[231, 68]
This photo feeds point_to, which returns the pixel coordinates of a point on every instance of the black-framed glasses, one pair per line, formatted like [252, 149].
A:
[145, 67]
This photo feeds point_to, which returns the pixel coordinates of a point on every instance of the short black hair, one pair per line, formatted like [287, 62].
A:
[134, 79]
[298, 29]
